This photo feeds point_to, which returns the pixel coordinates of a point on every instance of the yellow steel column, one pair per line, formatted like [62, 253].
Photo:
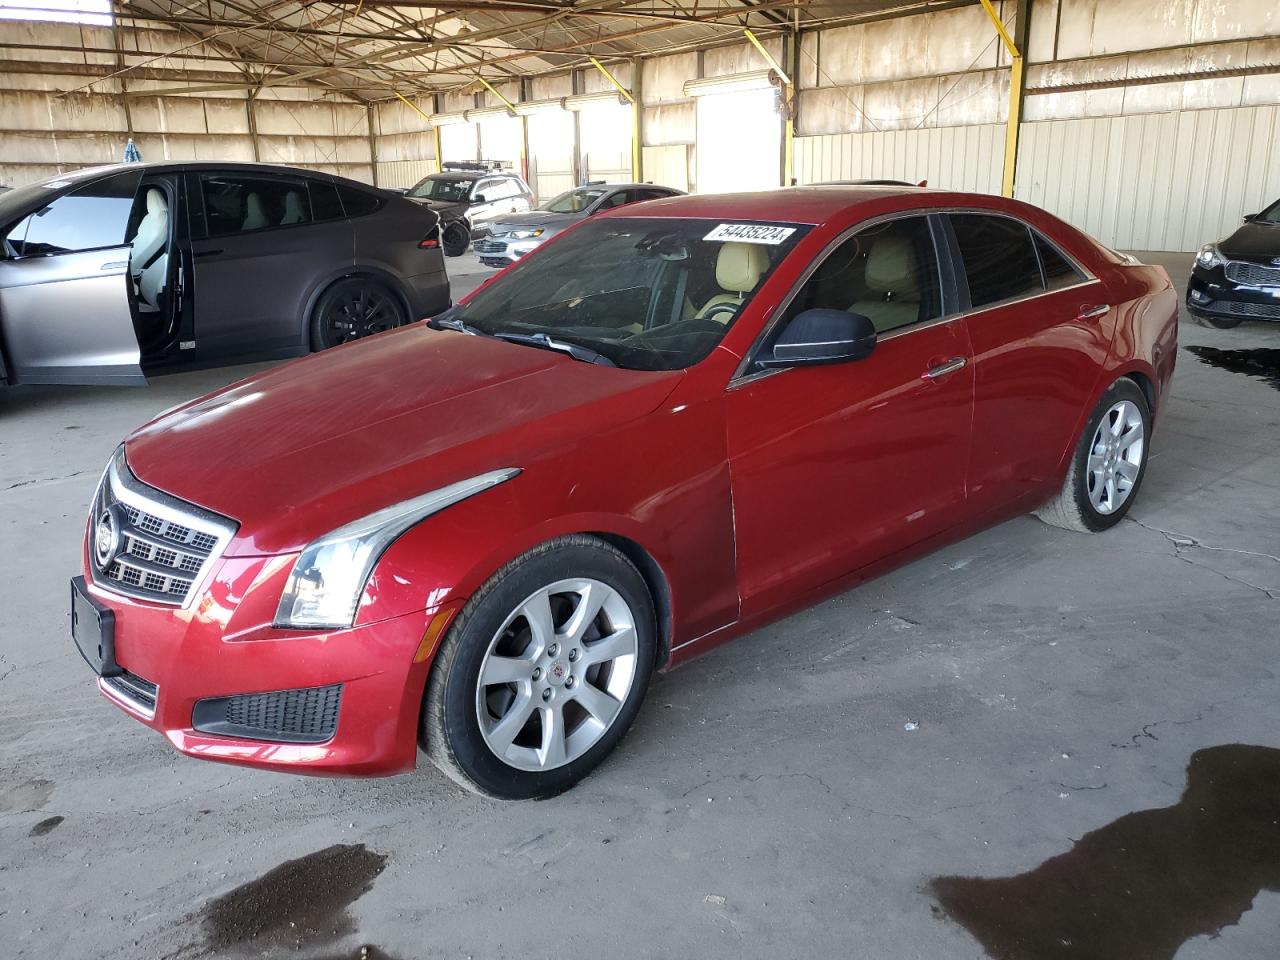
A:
[788, 98]
[1014, 123]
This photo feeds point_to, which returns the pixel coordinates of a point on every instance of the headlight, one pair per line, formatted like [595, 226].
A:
[525, 234]
[1209, 256]
[328, 577]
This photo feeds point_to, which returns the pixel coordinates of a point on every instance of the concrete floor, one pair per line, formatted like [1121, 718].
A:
[770, 802]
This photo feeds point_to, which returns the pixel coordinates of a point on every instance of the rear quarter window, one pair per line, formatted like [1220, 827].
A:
[999, 258]
[358, 203]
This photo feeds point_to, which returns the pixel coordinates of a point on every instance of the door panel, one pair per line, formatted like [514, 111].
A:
[67, 319]
[1036, 366]
[256, 260]
[1036, 358]
[837, 466]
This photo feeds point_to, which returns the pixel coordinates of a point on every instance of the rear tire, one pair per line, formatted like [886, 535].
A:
[1108, 464]
[352, 309]
[530, 689]
[455, 239]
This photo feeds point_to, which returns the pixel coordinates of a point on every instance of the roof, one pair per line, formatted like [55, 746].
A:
[372, 50]
[786, 205]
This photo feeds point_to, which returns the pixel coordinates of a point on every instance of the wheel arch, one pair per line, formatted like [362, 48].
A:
[353, 271]
[655, 579]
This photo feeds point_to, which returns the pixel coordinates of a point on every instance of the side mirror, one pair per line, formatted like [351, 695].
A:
[822, 336]
[479, 198]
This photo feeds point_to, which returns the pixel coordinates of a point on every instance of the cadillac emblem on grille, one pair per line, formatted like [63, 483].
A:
[106, 536]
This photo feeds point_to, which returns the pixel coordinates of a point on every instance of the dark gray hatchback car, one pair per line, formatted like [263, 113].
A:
[112, 273]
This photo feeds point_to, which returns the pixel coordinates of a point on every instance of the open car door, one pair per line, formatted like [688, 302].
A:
[65, 309]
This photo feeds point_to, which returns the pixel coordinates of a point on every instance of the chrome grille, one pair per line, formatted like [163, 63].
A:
[1253, 274]
[164, 546]
[489, 246]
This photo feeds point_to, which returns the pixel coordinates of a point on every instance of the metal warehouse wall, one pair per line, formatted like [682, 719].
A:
[60, 109]
[954, 158]
[1164, 181]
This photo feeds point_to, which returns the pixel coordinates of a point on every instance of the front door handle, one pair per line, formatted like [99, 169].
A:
[1093, 313]
[115, 265]
[942, 369]
[205, 253]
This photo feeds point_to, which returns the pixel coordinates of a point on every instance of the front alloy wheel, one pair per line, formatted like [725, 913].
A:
[542, 672]
[556, 674]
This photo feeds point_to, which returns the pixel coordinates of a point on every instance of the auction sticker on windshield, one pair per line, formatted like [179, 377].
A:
[750, 233]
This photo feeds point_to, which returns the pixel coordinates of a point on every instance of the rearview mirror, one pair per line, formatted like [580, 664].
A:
[822, 336]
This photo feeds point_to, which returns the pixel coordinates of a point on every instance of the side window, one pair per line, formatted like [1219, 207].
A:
[639, 196]
[325, 204]
[999, 258]
[1058, 270]
[93, 217]
[506, 189]
[487, 189]
[236, 204]
[887, 272]
[619, 199]
[357, 203]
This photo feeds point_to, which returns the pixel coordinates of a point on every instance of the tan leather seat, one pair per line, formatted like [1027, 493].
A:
[739, 267]
[893, 290]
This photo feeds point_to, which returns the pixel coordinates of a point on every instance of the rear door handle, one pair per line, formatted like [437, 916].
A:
[942, 369]
[1093, 313]
[115, 265]
[205, 253]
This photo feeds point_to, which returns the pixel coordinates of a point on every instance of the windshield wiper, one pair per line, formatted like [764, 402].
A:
[545, 342]
[444, 322]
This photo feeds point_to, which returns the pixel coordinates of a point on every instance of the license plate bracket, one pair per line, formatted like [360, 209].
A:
[93, 628]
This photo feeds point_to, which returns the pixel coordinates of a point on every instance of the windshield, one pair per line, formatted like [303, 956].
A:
[575, 201]
[646, 293]
[1271, 214]
[439, 188]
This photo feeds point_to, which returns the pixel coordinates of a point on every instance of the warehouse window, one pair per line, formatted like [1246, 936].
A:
[92, 12]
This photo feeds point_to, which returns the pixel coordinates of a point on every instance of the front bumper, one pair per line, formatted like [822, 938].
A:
[179, 660]
[1213, 293]
[501, 252]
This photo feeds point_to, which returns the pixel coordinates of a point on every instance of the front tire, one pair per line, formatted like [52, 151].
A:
[354, 308]
[543, 671]
[1219, 323]
[1108, 464]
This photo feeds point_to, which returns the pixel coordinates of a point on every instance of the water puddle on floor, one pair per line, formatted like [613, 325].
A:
[1262, 363]
[300, 905]
[1140, 887]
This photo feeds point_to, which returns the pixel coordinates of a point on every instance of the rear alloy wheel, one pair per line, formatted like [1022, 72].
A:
[542, 673]
[353, 309]
[455, 240]
[1108, 464]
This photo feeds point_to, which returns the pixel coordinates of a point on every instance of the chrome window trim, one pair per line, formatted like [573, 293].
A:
[743, 375]
[112, 692]
[126, 488]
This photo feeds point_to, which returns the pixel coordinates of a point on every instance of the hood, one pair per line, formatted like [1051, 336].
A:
[1253, 241]
[311, 445]
[536, 218]
[448, 210]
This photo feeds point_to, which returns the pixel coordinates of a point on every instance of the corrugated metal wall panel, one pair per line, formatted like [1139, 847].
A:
[667, 165]
[1159, 181]
[403, 173]
[956, 158]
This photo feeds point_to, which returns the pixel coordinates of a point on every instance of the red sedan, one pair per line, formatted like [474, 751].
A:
[481, 535]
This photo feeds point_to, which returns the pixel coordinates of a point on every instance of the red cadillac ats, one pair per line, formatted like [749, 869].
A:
[479, 536]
